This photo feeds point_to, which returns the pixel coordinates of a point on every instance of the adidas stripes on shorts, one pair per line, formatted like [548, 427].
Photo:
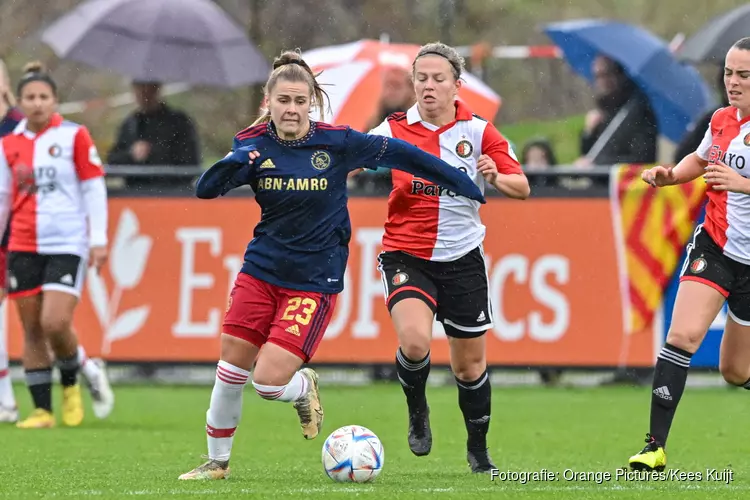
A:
[32, 273]
[457, 291]
[260, 312]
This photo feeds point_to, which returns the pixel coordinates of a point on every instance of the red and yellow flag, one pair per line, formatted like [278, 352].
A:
[654, 225]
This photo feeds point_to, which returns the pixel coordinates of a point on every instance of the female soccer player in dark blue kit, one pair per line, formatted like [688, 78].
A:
[285, 294]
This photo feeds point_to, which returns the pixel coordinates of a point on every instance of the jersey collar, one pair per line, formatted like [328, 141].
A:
[20, 129]
[271, 128]
[463, 113]
[740, 120]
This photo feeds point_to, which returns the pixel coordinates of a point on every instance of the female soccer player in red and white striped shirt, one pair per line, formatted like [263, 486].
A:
[51, 180]
[433, 264]
[717, 267]
[93, 370]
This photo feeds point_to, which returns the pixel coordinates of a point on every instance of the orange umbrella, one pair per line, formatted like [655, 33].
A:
[352, 75]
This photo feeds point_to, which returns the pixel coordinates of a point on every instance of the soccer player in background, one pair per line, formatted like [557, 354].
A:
[284, 296]
[433, 263]
[10, 117]
[51, 182]
[717, 265]
[93, 370]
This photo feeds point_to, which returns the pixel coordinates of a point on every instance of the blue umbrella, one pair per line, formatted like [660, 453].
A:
[677, 93]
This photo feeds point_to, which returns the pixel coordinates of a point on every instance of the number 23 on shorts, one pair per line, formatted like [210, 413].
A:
[306, 307]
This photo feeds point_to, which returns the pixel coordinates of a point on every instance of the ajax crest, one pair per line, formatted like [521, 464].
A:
[320, 160]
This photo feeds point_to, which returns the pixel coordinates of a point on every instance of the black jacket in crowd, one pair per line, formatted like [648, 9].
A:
[171, 133]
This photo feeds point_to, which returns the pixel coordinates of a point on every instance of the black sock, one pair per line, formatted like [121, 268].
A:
[474, 399]
[39, 383]
[746, 385]
[68, 370]
[670, 375]
[413, 377]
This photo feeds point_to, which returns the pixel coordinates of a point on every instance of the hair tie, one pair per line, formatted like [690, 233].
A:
[435, 53]
[294, 61]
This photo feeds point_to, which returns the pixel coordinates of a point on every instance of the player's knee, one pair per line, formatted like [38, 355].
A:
[685, 338]
[733, 374]
[414, 338]
[33, 334]
[267, 389]
[470, 368]
[270, 379]
[468, 359]
[54, 326]
[415, 345]
[273, 376]
[237, 351]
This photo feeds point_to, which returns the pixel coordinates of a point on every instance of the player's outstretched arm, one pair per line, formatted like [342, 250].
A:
[690, 168]
[232, 171]
[396, 154]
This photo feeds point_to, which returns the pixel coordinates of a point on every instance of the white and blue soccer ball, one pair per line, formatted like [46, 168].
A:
[353, 454]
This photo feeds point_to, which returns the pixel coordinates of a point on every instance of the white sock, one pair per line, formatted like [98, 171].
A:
[90, 370]
[7, 399]
[224, 412]
[293, 391]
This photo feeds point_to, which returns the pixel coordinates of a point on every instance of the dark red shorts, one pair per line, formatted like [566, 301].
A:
[260, 312]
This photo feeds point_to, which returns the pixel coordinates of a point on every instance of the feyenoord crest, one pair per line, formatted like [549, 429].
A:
[464, 149]
[698, 266]
[400, 279]
[746, 140]
[55, 151]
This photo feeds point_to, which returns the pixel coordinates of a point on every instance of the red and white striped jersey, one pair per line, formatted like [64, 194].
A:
[52, 181]
[728, 214]
[423, 219]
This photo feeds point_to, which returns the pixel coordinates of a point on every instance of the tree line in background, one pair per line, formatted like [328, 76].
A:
[531, 90]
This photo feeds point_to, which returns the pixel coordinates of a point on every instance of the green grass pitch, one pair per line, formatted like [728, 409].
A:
[157, 433]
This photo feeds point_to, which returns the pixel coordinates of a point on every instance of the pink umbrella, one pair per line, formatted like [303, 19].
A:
[352, 77]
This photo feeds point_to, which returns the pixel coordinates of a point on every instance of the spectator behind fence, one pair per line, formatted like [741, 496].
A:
[155, 134]
[538, 155]
[10, 115]
[397, 95]
[635, 139]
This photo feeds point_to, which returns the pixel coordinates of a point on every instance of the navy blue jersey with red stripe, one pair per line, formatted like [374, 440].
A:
[302, 239]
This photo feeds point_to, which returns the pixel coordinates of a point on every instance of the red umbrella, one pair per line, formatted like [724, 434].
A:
[353, 78]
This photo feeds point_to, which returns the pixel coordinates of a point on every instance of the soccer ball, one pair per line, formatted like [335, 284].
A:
[353, 454]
